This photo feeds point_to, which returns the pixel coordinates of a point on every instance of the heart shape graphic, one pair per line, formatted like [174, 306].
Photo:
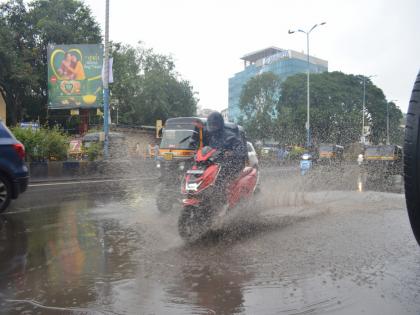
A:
[57, 53]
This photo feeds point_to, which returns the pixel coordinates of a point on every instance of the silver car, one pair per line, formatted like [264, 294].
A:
[252, 155]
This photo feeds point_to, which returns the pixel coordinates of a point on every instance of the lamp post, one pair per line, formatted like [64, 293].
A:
[363, 140]
[387, 121]
[308, 132]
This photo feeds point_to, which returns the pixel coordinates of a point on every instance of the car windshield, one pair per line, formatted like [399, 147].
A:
[179, 139]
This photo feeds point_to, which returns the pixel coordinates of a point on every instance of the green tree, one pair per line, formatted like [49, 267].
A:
[336, 109]
[147, 87]
[25, 32]
[258, 101]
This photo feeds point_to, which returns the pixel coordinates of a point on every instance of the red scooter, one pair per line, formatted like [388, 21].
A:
[200, 209]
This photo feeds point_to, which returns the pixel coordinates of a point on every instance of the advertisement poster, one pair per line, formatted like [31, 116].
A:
[74, 76]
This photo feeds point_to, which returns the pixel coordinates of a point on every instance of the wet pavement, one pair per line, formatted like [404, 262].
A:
[305, 246]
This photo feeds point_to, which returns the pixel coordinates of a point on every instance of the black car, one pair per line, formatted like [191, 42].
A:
[13, 170]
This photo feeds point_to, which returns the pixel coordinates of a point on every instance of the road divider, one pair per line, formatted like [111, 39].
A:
[87, 170]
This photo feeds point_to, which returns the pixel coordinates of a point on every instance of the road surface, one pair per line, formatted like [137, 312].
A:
[306, 246]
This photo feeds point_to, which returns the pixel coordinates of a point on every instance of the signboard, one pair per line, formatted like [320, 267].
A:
[74, 76]
[275, 57]
[29, 125]
[75, 146]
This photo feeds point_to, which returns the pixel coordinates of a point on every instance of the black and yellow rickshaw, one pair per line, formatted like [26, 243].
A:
[383, 160]
[181, 138]
[330, 154]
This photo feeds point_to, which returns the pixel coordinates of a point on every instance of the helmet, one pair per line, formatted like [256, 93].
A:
[215, 123]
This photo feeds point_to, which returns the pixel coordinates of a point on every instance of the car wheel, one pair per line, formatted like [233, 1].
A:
[412, 160]
[5, 193]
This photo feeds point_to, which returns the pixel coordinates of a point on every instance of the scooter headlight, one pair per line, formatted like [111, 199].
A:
[158, 164]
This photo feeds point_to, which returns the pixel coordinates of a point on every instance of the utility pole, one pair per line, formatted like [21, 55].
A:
[308, 101]
[363, 139]
[387, 121]
[106, 82]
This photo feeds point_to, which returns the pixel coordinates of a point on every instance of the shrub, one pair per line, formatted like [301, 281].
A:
[296, 153]
[43, 144]
[94, 151]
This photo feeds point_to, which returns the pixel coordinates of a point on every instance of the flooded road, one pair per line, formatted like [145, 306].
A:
[103, 248]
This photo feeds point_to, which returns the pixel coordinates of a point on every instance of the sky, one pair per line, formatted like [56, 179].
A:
[208, 38]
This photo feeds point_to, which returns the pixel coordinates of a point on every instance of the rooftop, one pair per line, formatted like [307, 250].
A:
[262, 53]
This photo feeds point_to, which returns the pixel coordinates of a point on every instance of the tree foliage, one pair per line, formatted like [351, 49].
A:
[147, 87]
[336, 110]
[258, 101]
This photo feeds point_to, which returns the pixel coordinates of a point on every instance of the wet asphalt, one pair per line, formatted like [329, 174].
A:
[305, 245]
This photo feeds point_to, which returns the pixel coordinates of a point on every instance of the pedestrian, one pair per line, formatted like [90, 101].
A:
[149, 150]
[156, 149]
[138, 150]
[360, 159]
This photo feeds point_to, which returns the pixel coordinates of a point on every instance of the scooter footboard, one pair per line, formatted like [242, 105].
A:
[249, 181]
[243, 187]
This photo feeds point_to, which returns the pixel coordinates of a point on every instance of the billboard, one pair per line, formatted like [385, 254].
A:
[74, 76]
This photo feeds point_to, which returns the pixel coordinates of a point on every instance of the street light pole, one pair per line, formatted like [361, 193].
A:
[387, 121]
[106, 82]
[363, 140]
[308, 100]
[363, 111]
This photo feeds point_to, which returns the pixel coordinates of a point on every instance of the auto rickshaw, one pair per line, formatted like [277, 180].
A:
[381, 163]
[384, 158]
[181, 138]
[330, 154]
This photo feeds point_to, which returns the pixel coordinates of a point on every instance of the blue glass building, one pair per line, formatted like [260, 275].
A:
[283, 63]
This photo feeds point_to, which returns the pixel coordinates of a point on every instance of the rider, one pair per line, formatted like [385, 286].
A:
[223, 139]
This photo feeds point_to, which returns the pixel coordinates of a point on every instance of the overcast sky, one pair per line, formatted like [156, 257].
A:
[207, 38]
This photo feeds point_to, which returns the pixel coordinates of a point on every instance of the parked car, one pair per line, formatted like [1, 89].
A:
[252, 155]
[14, 174]
[118, 148]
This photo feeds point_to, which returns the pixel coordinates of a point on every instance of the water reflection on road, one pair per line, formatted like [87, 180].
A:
[300, 252]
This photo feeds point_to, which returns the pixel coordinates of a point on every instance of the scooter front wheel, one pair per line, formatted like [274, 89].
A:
[193, 223]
